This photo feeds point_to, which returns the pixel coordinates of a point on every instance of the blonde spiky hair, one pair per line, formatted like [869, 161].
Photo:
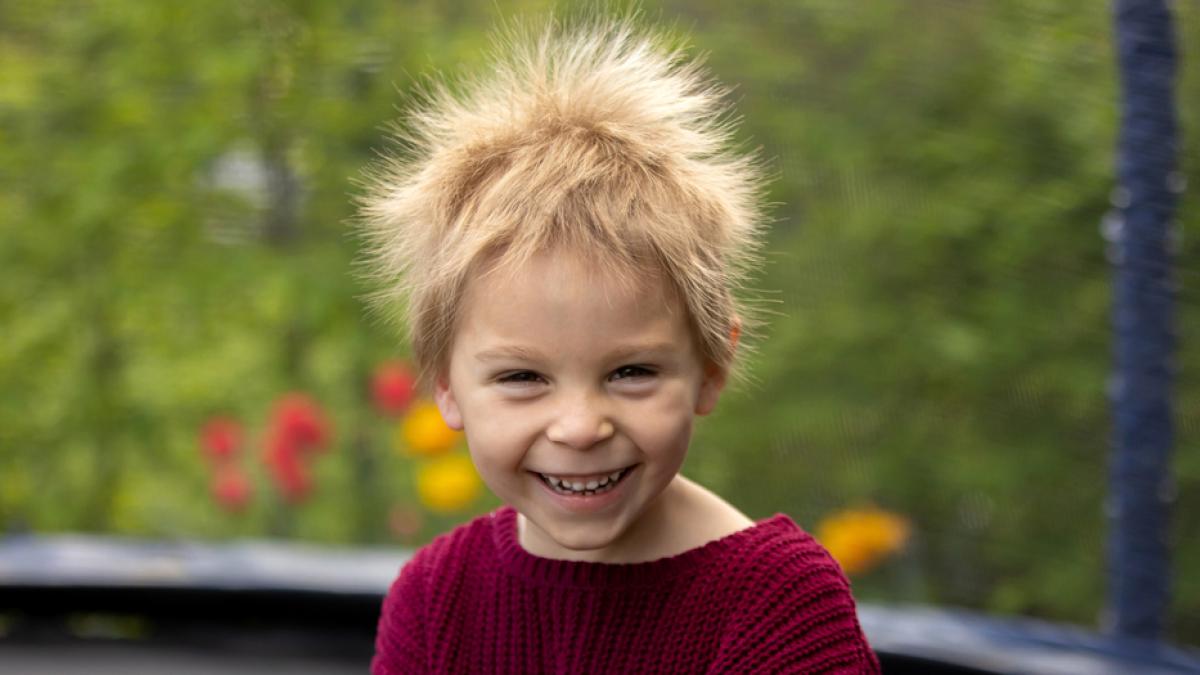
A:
[596, 137]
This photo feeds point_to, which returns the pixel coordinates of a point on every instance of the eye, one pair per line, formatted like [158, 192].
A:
[520, 377]
[628, 372]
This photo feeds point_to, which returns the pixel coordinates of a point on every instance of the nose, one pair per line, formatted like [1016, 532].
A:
[580, 423]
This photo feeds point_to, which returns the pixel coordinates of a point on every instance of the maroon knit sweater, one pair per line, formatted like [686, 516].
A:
[766, 599]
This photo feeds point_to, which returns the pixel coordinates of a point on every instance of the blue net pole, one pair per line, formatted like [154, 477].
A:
[1140, 230]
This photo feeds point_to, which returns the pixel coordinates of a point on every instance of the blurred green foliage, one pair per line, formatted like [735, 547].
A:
[176, 181]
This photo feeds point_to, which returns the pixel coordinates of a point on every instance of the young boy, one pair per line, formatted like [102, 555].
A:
[568, 235]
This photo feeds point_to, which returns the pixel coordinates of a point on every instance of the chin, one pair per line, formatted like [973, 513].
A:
[583, 542]
[583, 537]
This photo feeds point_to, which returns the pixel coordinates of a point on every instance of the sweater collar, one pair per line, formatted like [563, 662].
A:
[517, 561]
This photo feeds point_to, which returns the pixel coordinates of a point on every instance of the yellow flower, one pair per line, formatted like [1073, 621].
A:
[448, 484]
[422, 432]
[860, 539]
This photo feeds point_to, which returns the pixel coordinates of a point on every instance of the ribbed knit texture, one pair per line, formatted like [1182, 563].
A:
[767, 599]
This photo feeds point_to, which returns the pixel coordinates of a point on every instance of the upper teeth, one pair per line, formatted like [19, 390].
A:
[591, 484]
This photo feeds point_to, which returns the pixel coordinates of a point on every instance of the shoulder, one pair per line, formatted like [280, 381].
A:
[777, 544]
[400, 642]
[458, 546]
[777, 555]
[447, 557]
[793, 608]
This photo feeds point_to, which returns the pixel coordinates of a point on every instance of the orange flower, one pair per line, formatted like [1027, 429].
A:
[860, 539]
[448, 484]
[424, 433]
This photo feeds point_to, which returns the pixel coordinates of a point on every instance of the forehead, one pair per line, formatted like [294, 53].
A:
[568, 274]
[562, 296]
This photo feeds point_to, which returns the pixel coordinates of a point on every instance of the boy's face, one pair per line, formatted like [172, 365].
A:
[558, 374]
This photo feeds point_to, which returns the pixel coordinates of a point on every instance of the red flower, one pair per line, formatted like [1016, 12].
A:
[231, 488]
[221, 438]
[287, 468]
[298, 421]
[392, 388]
[297, 428]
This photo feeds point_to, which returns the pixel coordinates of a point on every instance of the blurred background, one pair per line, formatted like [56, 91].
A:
[185, 353]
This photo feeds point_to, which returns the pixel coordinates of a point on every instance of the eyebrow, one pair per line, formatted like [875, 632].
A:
[508, 352]
[520, 353]
[653, 348]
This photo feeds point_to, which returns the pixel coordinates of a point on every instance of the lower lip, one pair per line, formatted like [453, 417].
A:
[587, 503]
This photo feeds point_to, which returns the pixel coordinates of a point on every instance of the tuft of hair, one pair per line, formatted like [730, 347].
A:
[594, 136]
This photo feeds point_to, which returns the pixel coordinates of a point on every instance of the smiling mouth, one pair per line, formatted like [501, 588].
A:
[593, 486]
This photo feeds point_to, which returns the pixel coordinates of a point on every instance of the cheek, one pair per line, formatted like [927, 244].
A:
[668, 437]
[496, 457]
[499, 440]
[666, 428]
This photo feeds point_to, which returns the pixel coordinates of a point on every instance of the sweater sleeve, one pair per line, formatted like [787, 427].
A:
[400, 639]
[795, 615]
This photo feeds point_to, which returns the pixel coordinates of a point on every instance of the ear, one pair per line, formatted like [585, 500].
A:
[443, 396]
[715, 376]
[735, 332]
[710, 388]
